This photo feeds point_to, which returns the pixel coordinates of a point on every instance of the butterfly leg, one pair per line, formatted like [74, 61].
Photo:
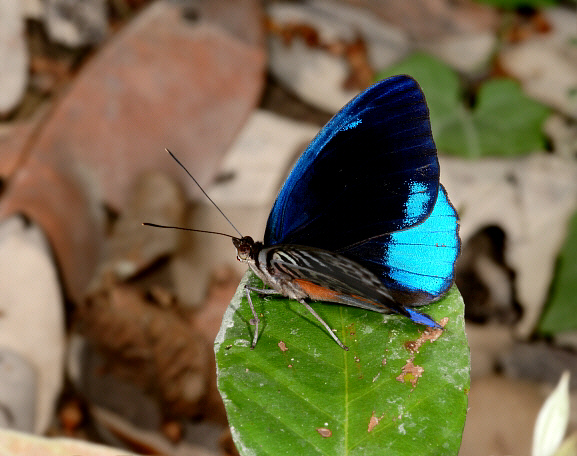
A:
[262, 291]
[329, 330]
[269, 291]
[255, 320]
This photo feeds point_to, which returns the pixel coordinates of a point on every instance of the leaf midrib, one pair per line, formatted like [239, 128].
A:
[346, 396]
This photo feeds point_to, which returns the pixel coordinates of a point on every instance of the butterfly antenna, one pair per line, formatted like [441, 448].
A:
[187, 229]
[205, 194]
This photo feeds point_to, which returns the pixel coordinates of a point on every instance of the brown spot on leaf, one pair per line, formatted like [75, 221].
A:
[352, 330]
[325, 432]
[429, 334]
[374, 420]
[282, 346]
[411, 346]
[410, 373]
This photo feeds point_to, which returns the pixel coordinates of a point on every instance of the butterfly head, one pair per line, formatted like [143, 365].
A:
[246, 249]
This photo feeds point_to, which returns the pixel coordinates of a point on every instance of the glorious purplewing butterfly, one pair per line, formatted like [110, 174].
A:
[362, 219]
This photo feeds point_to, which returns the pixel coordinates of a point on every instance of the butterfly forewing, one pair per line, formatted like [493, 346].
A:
[356, 177]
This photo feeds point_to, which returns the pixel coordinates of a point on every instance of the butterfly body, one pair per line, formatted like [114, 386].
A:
[302, 272]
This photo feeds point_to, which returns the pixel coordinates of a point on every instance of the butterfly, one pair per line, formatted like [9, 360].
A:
[362, 219]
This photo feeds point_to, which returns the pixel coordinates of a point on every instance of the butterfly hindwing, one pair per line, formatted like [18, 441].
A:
[416, 263]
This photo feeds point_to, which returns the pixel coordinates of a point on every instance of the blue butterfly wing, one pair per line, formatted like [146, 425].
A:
[372, 169]
[416, 264]
[367, 187]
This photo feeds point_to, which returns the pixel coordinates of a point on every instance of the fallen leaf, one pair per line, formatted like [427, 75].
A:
[160, 82]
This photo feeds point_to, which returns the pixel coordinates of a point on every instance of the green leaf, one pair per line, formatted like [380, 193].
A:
[560, 312]
[298, 392]
[508, 123]
[503, 122]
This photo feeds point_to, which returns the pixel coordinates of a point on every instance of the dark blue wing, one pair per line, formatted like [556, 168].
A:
[372, 169]
[364, 187]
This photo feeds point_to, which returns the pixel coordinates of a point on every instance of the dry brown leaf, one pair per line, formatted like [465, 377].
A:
[53, 191]
[152, 347]
[161, 82]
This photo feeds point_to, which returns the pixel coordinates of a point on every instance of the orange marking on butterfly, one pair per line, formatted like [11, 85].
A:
[320, 293]
[317, 292]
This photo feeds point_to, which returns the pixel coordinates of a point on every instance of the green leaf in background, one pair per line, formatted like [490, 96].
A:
[560, 312]
[394, 392]
[503, 122]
